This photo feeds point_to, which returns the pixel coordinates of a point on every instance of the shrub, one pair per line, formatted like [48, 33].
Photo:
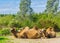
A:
[14, 23]
[5, 32]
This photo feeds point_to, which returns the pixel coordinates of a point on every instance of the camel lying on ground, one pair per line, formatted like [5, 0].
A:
[34, 33]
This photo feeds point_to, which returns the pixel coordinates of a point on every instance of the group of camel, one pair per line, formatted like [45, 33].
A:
[34, 33]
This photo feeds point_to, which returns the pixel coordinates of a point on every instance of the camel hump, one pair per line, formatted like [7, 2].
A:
[31, 33]
[24, 30]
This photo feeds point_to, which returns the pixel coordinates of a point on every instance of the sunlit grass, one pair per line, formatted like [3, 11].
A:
[4, 39]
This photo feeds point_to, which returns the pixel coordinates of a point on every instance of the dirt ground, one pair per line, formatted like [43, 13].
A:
[51, 40]
[55, 40]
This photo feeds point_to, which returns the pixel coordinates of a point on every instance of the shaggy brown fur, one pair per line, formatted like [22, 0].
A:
[50, 33]
[33, 33]
[43, 32]
[21, 33]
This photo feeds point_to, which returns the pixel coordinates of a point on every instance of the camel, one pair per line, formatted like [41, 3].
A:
[34, 33]
[50, 33]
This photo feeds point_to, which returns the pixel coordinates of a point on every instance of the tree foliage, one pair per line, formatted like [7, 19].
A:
[52, 6]
[25, 7]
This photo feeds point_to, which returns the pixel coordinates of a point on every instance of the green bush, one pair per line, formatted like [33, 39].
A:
[41, 20]
[5, 31]
[46, 23]
[4, 21]
[14, 23]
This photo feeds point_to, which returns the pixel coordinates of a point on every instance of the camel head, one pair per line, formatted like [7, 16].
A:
[14, 32]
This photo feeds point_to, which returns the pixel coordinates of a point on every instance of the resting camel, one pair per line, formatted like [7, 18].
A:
[34, 33]
[50, 33]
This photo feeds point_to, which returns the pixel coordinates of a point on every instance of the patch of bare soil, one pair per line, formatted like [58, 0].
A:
[51, 40]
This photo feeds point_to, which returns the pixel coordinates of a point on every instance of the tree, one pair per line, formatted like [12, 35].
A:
[56, 6]
[25, 7]
[52, 6]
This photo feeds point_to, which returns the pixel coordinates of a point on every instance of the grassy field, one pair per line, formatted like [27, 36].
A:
[4, 39]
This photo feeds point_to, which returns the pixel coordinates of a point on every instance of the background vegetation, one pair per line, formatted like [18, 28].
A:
[27, 17]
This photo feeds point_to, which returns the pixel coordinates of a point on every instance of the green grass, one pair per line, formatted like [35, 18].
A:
[4, 39]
